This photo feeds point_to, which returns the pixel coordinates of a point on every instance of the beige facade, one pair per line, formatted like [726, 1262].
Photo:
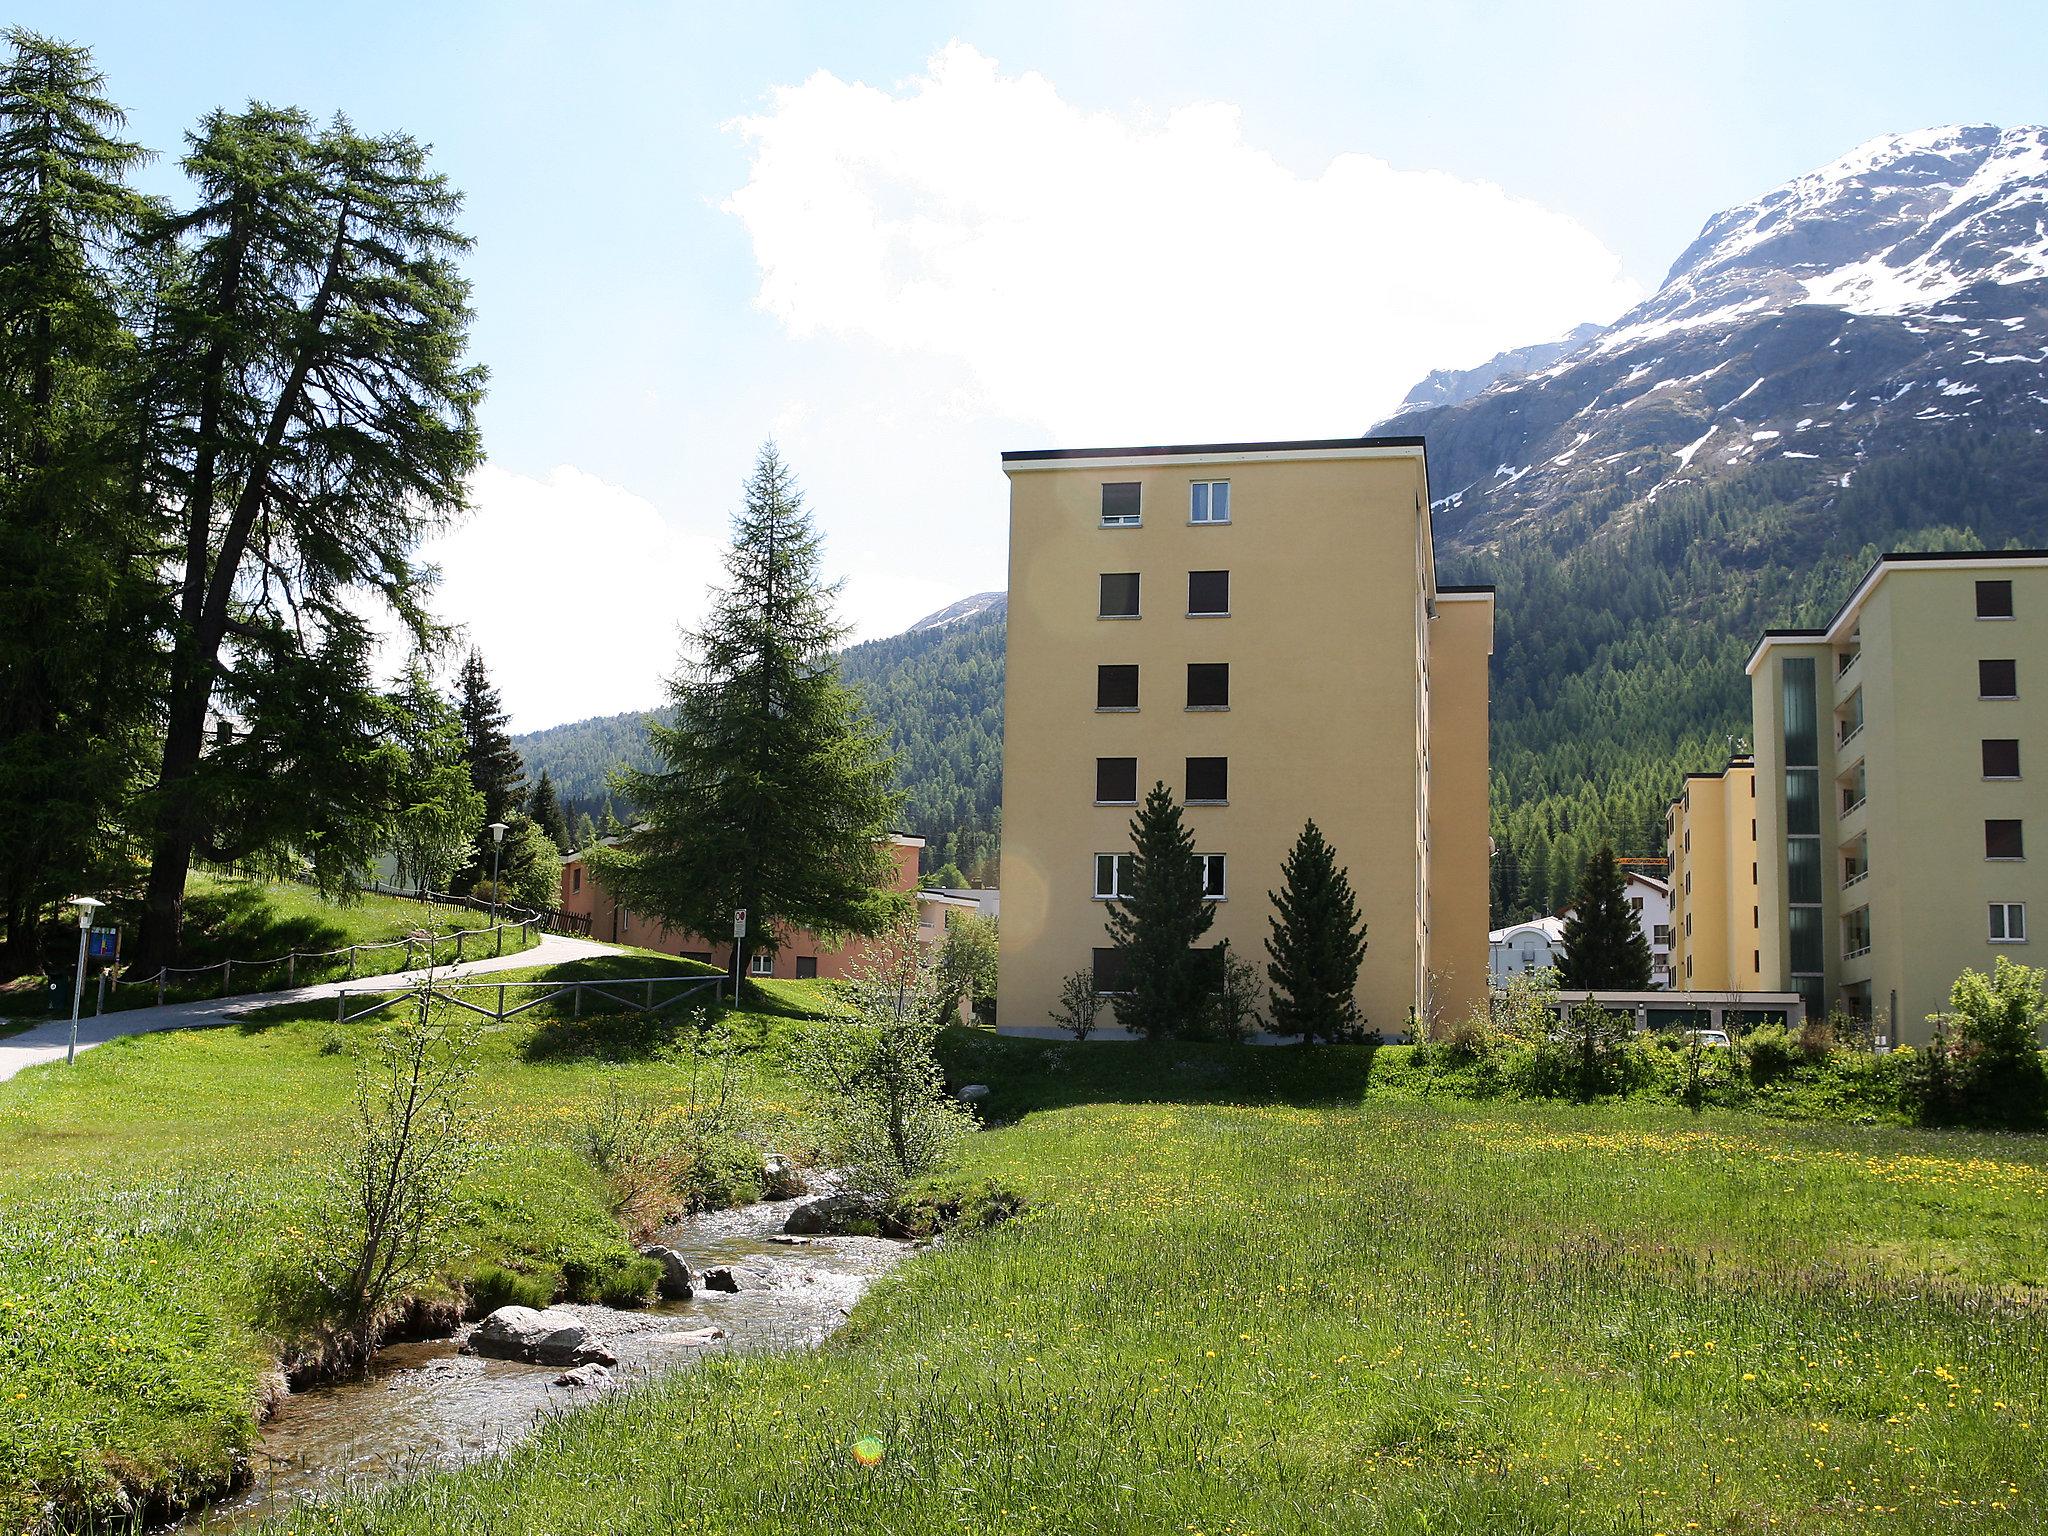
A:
[1716, 918]
[1900, 758]
[1259, 626]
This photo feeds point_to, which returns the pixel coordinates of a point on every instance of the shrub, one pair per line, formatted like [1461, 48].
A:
[928, 1211]
[1080, 1005]
[1235, 1008]
[612, 1279]
[1769, 1054]
[1984, 1066]
[1590, 1056]
[967, 963]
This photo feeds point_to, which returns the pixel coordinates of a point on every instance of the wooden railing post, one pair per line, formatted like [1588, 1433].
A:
[160, 987]
[501, 1002]
[340, 1005]
[577, 1007]
[351, 962]
[458, 946]
[499, 930]
[291, 969]
[227, 976]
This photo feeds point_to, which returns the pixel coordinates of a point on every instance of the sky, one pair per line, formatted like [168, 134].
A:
[900, 238]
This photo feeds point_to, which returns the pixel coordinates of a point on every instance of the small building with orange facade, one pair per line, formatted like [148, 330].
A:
[800, 956]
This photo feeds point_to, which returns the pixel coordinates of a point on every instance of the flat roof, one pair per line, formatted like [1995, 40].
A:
[1986, 559]
[1277, 447]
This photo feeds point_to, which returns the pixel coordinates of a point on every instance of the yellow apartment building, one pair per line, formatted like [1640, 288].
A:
[1716, 919]
[1259, 626]
[1900, 756]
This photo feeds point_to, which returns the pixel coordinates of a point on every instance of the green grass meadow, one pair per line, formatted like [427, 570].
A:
[1256, 1291]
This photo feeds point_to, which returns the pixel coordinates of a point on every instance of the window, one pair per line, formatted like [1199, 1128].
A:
[1209, 501]
[1116, 781]
[762, 963]
[1120, 504]
[1635, 905]
[2001, 758]
[1856, 933]
[2002, 840]
[1994, 599]
[1109, 971]
[1208, 685]
[1208, 592]
[1208, 780]
[1213, 887]
[806, 967]
[1119, 595]
[576, 879]
[1688, 925]
[1116, 687]
[1112, 875]
[1660, 935]
[1998, 680]
[2008, 922]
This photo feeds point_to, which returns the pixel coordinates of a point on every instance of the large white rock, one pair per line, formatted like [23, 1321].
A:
[548, 1336]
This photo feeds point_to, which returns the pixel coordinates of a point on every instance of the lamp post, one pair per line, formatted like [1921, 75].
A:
[86, 905]
[497, 845]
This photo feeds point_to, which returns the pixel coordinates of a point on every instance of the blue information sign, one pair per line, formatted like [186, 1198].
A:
[102, 943]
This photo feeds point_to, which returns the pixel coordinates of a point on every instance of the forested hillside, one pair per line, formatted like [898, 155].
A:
[936, 691]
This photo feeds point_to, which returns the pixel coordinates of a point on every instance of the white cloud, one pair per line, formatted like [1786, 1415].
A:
[1125, 279]
[574, 589]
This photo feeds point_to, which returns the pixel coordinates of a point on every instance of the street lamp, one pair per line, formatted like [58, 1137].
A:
[497, 844]
[86, 905]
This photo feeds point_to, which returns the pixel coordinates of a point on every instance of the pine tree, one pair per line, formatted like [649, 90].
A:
[439, 810]
[771, 791]
[1604, 947]
[78, 579]
[546, 810]
[586, 830]
[494, 765]
[610, 825]
[1316, 946]
[1155, 925]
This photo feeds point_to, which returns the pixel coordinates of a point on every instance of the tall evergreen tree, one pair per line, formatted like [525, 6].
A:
[546, 811]
[771, 792]
[439, 810]
[1316, 945]
[315, 423]
[1155, 925]
[495, 768]
[586, 830]
[77, 576]
[1604, 947]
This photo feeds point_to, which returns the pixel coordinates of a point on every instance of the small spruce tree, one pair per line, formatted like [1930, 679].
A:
[1604, 947]
[495, 767]
[1156, 924]
[1316, 946]
[546, 810]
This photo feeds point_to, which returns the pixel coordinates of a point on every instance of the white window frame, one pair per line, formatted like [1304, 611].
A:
[1201, 507]
[761, 963]
[2001, 915]
[1119, 866]
[1222, 866]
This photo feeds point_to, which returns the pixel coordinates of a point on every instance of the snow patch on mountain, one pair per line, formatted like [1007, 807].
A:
[960, 612]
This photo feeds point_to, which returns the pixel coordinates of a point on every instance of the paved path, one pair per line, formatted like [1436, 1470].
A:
[46, 1042]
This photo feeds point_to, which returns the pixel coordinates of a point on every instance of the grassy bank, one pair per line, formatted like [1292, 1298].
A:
[147, 1191]
[1256, 1291]
[1299, 1313]
[256, 920]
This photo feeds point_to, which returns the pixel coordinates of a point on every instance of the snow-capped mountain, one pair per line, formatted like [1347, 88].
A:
[960, 612]
[1859, 311]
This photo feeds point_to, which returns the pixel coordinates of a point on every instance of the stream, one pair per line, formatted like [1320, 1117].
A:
[426, 1405]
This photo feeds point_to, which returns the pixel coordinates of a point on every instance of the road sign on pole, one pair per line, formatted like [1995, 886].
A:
[739, 923]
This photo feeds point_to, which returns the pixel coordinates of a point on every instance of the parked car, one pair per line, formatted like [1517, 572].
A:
[1712, 1039]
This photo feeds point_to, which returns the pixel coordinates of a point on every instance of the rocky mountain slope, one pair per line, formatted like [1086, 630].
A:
[1855, 361]
[1860, 311]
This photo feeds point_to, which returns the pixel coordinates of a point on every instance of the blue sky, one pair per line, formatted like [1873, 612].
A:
[901, 238]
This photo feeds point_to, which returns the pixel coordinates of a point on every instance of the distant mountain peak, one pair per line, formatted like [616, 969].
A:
[960, 612]
[1448, 386]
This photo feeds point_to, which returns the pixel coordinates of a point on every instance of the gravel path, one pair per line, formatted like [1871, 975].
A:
[46, 1042]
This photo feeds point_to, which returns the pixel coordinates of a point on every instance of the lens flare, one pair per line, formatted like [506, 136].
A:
[867, 1450]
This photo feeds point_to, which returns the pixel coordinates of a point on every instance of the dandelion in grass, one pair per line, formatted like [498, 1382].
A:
[867, 1450]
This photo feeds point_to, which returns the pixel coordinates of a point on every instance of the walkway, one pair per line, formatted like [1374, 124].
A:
[46, 1042]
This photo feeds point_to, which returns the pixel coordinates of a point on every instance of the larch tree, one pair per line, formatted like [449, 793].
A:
[79, 592]
[315, 424]
[770, 792]
[1316, 946]
[1168, 985]
[1604, 947]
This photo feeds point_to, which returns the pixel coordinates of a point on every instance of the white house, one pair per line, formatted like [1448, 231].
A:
[1531, 946]
[1539, 942]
